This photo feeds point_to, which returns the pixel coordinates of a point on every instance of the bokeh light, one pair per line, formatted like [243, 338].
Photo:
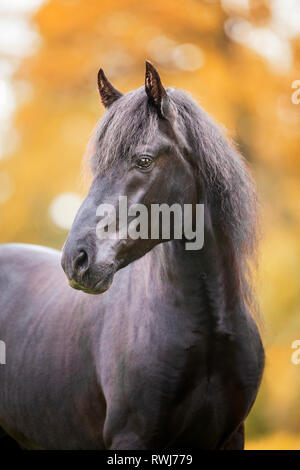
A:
[64, 208]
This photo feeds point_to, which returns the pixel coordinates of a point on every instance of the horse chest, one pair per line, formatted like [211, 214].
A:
[173, 390]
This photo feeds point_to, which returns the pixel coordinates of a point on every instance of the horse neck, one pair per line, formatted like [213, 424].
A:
[199, 283]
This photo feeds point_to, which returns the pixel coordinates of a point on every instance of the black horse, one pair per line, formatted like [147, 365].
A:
[170, 356]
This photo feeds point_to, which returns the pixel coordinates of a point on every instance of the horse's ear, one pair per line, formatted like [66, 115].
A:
[156, 93]
[108, 93]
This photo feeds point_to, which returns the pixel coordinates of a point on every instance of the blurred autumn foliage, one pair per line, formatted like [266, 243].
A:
[199, 46]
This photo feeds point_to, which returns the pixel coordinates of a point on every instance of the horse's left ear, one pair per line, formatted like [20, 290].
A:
[156, 93]
[108, 93]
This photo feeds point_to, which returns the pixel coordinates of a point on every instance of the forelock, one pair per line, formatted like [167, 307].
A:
[127, 122]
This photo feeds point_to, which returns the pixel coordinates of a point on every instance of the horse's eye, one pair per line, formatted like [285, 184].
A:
[144, 162]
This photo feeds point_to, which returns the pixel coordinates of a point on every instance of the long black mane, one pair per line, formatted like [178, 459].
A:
[228, 186]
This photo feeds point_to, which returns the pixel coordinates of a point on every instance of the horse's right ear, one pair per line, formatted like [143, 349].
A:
[156, 93]
[108, 93]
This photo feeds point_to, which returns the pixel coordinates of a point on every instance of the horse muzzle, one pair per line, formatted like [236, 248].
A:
[99, 288]
[82, 273]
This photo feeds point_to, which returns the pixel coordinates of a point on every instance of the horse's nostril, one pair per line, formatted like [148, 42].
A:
[81, 262]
